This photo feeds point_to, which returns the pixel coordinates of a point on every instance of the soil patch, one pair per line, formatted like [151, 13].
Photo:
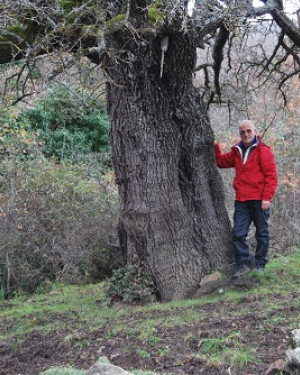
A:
[172, 349]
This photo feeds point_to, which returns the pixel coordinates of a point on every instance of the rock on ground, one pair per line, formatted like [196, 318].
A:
[295, 339]
[276, 367]
[106, 369]
[292, 365]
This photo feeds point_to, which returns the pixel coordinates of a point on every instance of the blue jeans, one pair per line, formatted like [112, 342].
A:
[245, 213]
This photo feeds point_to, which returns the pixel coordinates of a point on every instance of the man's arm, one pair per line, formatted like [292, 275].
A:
[270, 174]
[223, 160]
[265, 205]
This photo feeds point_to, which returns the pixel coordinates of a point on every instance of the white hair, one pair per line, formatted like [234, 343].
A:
[247, 122]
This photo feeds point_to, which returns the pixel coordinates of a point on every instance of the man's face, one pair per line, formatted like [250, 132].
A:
[247, 134]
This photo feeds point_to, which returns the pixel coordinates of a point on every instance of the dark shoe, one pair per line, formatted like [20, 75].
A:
[242, 270]
[259, 270]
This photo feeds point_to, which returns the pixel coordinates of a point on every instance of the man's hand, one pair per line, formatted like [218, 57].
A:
[265, 205]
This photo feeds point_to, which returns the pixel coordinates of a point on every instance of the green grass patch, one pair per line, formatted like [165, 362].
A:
[227, 350]
[76, 311]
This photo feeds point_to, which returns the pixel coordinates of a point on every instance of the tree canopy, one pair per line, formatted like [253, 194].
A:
[32, 28]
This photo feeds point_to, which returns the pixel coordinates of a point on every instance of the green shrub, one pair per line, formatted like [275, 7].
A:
[130, 285]
[16, 139]
[68, 123]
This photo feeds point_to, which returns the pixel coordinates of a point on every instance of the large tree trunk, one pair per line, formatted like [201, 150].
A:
[173, 218]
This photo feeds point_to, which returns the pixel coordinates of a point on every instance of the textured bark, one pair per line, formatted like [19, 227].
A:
[173, 218]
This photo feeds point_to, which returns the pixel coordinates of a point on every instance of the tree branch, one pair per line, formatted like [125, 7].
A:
[284, 22]
[218, 55]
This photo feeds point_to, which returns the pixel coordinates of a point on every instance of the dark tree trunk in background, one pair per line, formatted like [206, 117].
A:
[173, 218]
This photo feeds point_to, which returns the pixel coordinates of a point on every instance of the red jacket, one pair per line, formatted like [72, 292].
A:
[256, 178]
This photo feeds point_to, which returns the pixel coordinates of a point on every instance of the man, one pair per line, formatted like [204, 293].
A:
[255, 185]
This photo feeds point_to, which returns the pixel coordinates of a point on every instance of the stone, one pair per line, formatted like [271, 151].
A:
[295, 339]
[275, 368]
[106, 369]
[292, 363]
[212, 277]
[229, 283]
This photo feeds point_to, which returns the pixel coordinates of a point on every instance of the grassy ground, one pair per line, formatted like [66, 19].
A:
[67, 329]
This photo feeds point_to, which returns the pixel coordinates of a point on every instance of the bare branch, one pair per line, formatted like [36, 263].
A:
[284, 22]
[218, 55]
[280, 40]
[292, 52]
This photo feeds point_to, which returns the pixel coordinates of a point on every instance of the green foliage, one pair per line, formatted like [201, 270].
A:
[18, 30]
[144, 354]
[68, 123]
[130, 285]
[155, 14]
[115, 20]
[68, 5]
[16, 139]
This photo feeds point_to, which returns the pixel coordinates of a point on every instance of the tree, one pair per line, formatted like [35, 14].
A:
[173, 219]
